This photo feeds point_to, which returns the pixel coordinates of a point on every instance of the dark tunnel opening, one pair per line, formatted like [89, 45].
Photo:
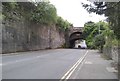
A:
[72, 43]
[73, 37]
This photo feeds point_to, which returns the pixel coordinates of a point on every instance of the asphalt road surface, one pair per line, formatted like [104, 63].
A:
[47, 64]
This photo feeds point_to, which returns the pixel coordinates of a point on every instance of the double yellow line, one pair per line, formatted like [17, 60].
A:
[72, 69]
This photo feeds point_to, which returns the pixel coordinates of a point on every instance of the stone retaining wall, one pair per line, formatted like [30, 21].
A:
[21, 36]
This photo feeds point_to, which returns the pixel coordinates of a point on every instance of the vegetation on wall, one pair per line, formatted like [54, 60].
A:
[63, 24]
[31, 26]
[44, 13]
[41, 12]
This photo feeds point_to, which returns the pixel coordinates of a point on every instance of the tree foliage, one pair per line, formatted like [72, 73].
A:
[63, 24]
[111, 10]
[42, 12]
[92, 30]
[99, 41]
[88, 28]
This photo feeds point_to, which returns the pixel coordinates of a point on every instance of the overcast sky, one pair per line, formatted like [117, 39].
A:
[73, 11]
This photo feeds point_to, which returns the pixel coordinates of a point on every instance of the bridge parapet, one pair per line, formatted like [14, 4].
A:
[75, 29]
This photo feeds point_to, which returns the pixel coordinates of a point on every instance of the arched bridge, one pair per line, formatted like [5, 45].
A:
[74, 33]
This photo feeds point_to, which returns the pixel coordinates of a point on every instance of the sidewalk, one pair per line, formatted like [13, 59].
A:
[95, 67]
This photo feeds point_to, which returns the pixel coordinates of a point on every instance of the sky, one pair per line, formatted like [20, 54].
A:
[73, 12]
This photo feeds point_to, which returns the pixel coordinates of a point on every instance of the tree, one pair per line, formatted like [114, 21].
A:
[91, 30]
[99, 41]
[88, 28]
[44, 13]
[62, 24]
[110, 9]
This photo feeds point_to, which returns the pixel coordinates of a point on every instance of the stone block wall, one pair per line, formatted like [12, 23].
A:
[115, 53]
[22, 35]
[111, 52]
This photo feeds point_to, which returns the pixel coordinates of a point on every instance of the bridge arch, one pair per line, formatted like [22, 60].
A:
[73, 37]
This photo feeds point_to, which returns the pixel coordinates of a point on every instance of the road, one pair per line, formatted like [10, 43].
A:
[49, 64]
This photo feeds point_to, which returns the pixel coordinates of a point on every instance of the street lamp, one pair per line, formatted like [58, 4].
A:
[99, 27]
[99, 22]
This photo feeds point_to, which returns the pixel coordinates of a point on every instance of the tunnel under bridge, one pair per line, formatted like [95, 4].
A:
[74, 34]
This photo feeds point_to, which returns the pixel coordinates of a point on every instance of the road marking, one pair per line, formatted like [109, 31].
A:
[72, 69]
[77, 72]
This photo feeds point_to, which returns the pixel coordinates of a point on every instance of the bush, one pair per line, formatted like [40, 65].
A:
[62, 24]
[45, 13]
[99, 41]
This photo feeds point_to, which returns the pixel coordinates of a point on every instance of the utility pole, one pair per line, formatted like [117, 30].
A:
[99, 22]
[99, 26]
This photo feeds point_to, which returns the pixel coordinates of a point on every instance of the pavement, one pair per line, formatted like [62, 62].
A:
[95, 67]
[54, 64]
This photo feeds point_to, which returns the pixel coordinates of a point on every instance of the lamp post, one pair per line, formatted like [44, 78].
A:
[99, 22]
[99, 27]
